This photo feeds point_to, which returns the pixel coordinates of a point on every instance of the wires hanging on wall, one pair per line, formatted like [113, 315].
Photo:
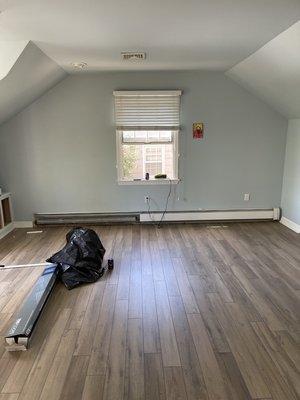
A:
[151, 215]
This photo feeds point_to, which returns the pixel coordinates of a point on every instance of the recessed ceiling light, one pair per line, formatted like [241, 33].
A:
[79, 65]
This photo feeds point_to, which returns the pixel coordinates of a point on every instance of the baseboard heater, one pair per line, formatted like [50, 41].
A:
[213, 215]
[18, 336]
[85, 219]
[143, 217]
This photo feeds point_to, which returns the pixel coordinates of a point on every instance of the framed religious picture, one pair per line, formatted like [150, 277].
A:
[198, 129]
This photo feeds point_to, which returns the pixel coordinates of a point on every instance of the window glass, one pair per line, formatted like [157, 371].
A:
[139, 158]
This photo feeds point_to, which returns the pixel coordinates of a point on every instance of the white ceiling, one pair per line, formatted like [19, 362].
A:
[273, 72]
[176, 34]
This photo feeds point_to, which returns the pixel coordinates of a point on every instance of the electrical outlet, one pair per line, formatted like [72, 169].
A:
[246, 196]
[147, 199]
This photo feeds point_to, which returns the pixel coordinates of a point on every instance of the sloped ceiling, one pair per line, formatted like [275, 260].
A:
[273, 72]
[9, 53]
[200, 34]
[31, 76]
[175, 34]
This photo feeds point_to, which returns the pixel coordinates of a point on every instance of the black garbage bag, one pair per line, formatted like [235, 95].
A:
[80, 261]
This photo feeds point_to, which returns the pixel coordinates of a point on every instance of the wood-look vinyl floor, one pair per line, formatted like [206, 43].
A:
[190, 312]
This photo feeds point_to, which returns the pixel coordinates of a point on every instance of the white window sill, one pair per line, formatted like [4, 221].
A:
[150, 182]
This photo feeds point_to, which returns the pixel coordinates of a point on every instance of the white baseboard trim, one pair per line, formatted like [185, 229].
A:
[16, 224]
[290, 224]
[6, 230]
[23, 224]
[221, 215]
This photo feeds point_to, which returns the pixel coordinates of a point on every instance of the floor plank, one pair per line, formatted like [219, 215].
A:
[154, 378]
[75, 379]
[175, 388]
[192, 372]
[56, 379]
[209, 365]
[169, 349]
[115, 373]
[134, 385]
[43, 362]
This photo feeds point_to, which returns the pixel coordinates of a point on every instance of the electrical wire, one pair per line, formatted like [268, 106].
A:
[149, 211]
[158, 225]
[166, 206]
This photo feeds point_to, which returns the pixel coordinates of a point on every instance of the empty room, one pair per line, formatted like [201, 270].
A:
[149, 200]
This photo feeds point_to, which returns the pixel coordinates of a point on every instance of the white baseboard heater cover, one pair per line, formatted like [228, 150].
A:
[213, 215]
[128, 218]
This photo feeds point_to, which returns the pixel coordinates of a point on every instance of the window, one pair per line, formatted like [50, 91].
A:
[147, 125]
[152, 152]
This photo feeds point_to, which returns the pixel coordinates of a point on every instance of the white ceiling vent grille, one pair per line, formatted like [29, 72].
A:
[133, 56]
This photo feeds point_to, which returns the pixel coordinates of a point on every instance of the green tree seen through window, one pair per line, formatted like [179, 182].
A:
[129, 160]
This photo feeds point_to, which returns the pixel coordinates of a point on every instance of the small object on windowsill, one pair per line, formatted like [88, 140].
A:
[137, 179]
[160, 176]
[147, 176]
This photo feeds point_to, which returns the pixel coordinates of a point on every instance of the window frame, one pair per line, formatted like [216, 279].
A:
[143, 181]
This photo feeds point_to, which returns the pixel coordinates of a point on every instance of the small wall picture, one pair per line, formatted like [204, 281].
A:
[198, 129]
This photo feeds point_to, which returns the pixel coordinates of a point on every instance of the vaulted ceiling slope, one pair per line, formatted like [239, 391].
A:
[198, 34]
[31, 76]
[273, 72]
[175, 34]
[10, 51]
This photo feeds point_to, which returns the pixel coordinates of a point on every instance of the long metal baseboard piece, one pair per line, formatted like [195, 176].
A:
[85, 219]
[19, 334]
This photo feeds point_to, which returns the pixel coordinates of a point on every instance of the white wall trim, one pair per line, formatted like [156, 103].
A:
[221, 215]
[6, 230]
[290, 224]
[127, 93]
[150, 182]
[13, 225]
[23, 224]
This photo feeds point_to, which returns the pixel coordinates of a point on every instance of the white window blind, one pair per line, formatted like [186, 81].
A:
[147, 110]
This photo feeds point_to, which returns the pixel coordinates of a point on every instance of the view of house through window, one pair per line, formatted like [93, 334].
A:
[147, 126]
[152, 152]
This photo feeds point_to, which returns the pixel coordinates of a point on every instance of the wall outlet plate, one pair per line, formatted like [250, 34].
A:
[246, 196]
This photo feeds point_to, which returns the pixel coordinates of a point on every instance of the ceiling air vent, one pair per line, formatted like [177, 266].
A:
[134, 56]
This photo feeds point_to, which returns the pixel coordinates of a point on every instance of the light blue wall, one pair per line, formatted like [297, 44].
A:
[291, 179]
[59, 154]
